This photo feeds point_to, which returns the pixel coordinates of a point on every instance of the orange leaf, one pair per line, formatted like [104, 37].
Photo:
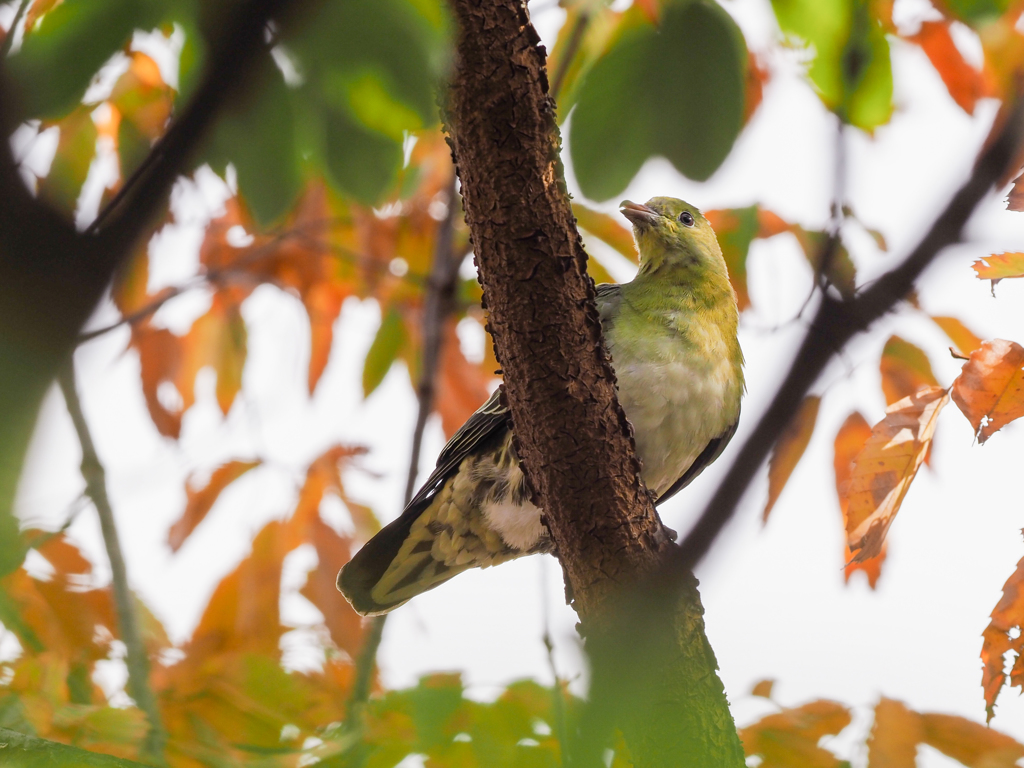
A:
[37, 10]
[608, 230]
[1000, 266]
[894, 736]
[965, 84]
[790, 447]
[202, 499]
[990, 388]
[1015, 200]
[850, 441]
[160, 359]
[1004, 633]
[971, 743]
[757, 75]
[736, 228]
[333, 551]
[958, 333]
[885, 468]
[905, 370]
[461, 385]
[763, 688]
[323, 305]
[789, 739]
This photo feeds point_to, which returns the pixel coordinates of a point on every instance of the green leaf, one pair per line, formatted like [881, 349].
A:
[976, 12]
[360, 161]
[385, 347]
[58, 60]
[676, 90]
[75, 151]
[258, 137]
[851, 69]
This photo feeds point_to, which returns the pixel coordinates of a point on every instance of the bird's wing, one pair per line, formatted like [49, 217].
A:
[609, 297]
[489, 419]
[711, 452]
[361, 575]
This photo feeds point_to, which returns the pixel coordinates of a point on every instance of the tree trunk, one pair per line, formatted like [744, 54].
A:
[572, 436]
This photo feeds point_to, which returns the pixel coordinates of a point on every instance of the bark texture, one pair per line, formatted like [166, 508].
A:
[572, 436]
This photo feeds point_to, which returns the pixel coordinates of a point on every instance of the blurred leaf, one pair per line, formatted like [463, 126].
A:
[1000, 266]
[382, 353]
[37, 10]
[964, 339]
[990, 388]
[201, 499]
[763, 688]
[789, 739]
[75, 151]
[697, 57]
[840, 270]
[849, 442]
[885, 468]
[758, 75]
[360, 161]
[144, 103]
[851, 69]
[895, 735]
[258, 137]
[736, 229]
[606, 229]
[974, 12]
[964, 83]
[58, 60]
[1003, 635]
[971, 743]
[789, 448]
[905, 370]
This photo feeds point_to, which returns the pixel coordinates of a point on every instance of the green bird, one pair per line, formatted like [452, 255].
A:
[671, 334]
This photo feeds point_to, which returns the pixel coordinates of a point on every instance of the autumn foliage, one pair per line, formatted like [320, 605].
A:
[346, 198]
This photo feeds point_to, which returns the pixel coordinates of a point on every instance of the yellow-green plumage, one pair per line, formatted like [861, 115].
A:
[671, 333]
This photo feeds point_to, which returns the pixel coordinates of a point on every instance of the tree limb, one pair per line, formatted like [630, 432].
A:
[136, 657]
[572, 437]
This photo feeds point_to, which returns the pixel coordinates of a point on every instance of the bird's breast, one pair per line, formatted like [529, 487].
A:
[677, 401]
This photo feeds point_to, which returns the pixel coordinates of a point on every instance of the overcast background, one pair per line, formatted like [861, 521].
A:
[776, 605]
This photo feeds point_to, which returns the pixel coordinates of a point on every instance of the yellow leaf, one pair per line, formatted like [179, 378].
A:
[885, 468]
[965, 340]
[990, 388]
[905, 370]
[790, 447]
[894, 736]
[1000, 266]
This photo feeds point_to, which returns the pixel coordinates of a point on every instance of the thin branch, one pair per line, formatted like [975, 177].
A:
[8, 41]
[835, 324]
[232, 66]
[96, 488]
[438, 305]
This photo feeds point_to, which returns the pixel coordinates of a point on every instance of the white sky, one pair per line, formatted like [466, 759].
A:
[775, 601]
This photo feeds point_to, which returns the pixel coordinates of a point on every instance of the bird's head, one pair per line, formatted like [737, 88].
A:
[672, 233]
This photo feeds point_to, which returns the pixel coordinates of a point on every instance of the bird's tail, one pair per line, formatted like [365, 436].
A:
[432, 541]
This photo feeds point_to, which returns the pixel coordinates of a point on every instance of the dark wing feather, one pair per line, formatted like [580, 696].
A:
[711, 452]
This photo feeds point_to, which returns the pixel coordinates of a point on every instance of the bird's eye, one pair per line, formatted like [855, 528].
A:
[687, 218]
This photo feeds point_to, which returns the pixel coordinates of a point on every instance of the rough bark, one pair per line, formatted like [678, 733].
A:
[572, 436]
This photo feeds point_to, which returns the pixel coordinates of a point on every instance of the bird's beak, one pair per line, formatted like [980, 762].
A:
[638, 214]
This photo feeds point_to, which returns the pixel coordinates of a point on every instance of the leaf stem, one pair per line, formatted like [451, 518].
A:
[96, 489]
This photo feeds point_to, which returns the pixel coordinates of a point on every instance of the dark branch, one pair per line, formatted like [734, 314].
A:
[96, 489]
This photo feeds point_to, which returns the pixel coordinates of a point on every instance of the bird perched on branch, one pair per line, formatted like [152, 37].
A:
[671, 333]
